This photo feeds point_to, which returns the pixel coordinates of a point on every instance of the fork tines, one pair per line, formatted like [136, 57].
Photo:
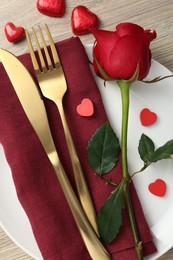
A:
[52, 59]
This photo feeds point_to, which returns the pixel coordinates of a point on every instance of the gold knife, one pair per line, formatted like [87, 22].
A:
[31, 102]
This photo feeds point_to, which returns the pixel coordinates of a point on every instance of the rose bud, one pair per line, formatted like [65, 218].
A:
[119, 54]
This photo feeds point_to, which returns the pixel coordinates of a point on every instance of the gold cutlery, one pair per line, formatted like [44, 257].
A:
[53, 86]
[34, 108]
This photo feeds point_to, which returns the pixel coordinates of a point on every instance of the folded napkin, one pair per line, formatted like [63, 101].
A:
[36, 184]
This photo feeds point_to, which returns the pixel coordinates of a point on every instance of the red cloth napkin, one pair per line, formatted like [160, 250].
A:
[36, 184]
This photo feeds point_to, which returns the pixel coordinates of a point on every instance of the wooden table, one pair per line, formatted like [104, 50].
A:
[153, 14]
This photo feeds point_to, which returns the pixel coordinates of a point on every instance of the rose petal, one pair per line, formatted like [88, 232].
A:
[149, 35]
[128, 29]
[126, 55]
[105, 43]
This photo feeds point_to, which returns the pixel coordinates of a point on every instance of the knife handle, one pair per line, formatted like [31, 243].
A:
[91, 240]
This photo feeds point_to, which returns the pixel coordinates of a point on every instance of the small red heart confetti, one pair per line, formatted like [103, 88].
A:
[54, 8]
[158, 188]
[86, 108]
[13, 33]
[82, 20]
[147, 117]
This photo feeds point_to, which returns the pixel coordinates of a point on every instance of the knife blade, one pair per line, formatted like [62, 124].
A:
[31, 101]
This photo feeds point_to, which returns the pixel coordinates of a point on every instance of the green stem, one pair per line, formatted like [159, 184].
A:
[125, 89]
[141, 170]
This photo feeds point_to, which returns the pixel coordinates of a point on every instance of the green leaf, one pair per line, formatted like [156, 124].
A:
[103, 149]
[110, 216]
[163, 152]
[146, 148]
[148, 153]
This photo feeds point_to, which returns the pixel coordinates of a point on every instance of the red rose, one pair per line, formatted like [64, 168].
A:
[120, 52]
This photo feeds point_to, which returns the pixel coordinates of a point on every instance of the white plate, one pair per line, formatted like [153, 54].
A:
[158, 210]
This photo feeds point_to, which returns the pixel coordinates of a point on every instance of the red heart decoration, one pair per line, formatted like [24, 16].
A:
[158, 188]
[82, 20]
[86, 108]
[13, 33]
[147, 117]
[54, 8]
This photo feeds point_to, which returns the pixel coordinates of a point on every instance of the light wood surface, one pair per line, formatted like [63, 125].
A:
[153, 14]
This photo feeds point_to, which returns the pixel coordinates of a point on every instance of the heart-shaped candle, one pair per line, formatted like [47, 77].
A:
[54, 8]
[158, 188]
[13, 33]
[147, 117]
[86, 108]
[82, 20]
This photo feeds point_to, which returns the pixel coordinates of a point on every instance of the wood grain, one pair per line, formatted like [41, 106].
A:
[153, 14]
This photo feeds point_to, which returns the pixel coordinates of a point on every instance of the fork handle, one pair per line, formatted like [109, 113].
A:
[91, 240]
[82, 188]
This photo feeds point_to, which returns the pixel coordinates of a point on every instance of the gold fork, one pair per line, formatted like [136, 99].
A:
[53, 86]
